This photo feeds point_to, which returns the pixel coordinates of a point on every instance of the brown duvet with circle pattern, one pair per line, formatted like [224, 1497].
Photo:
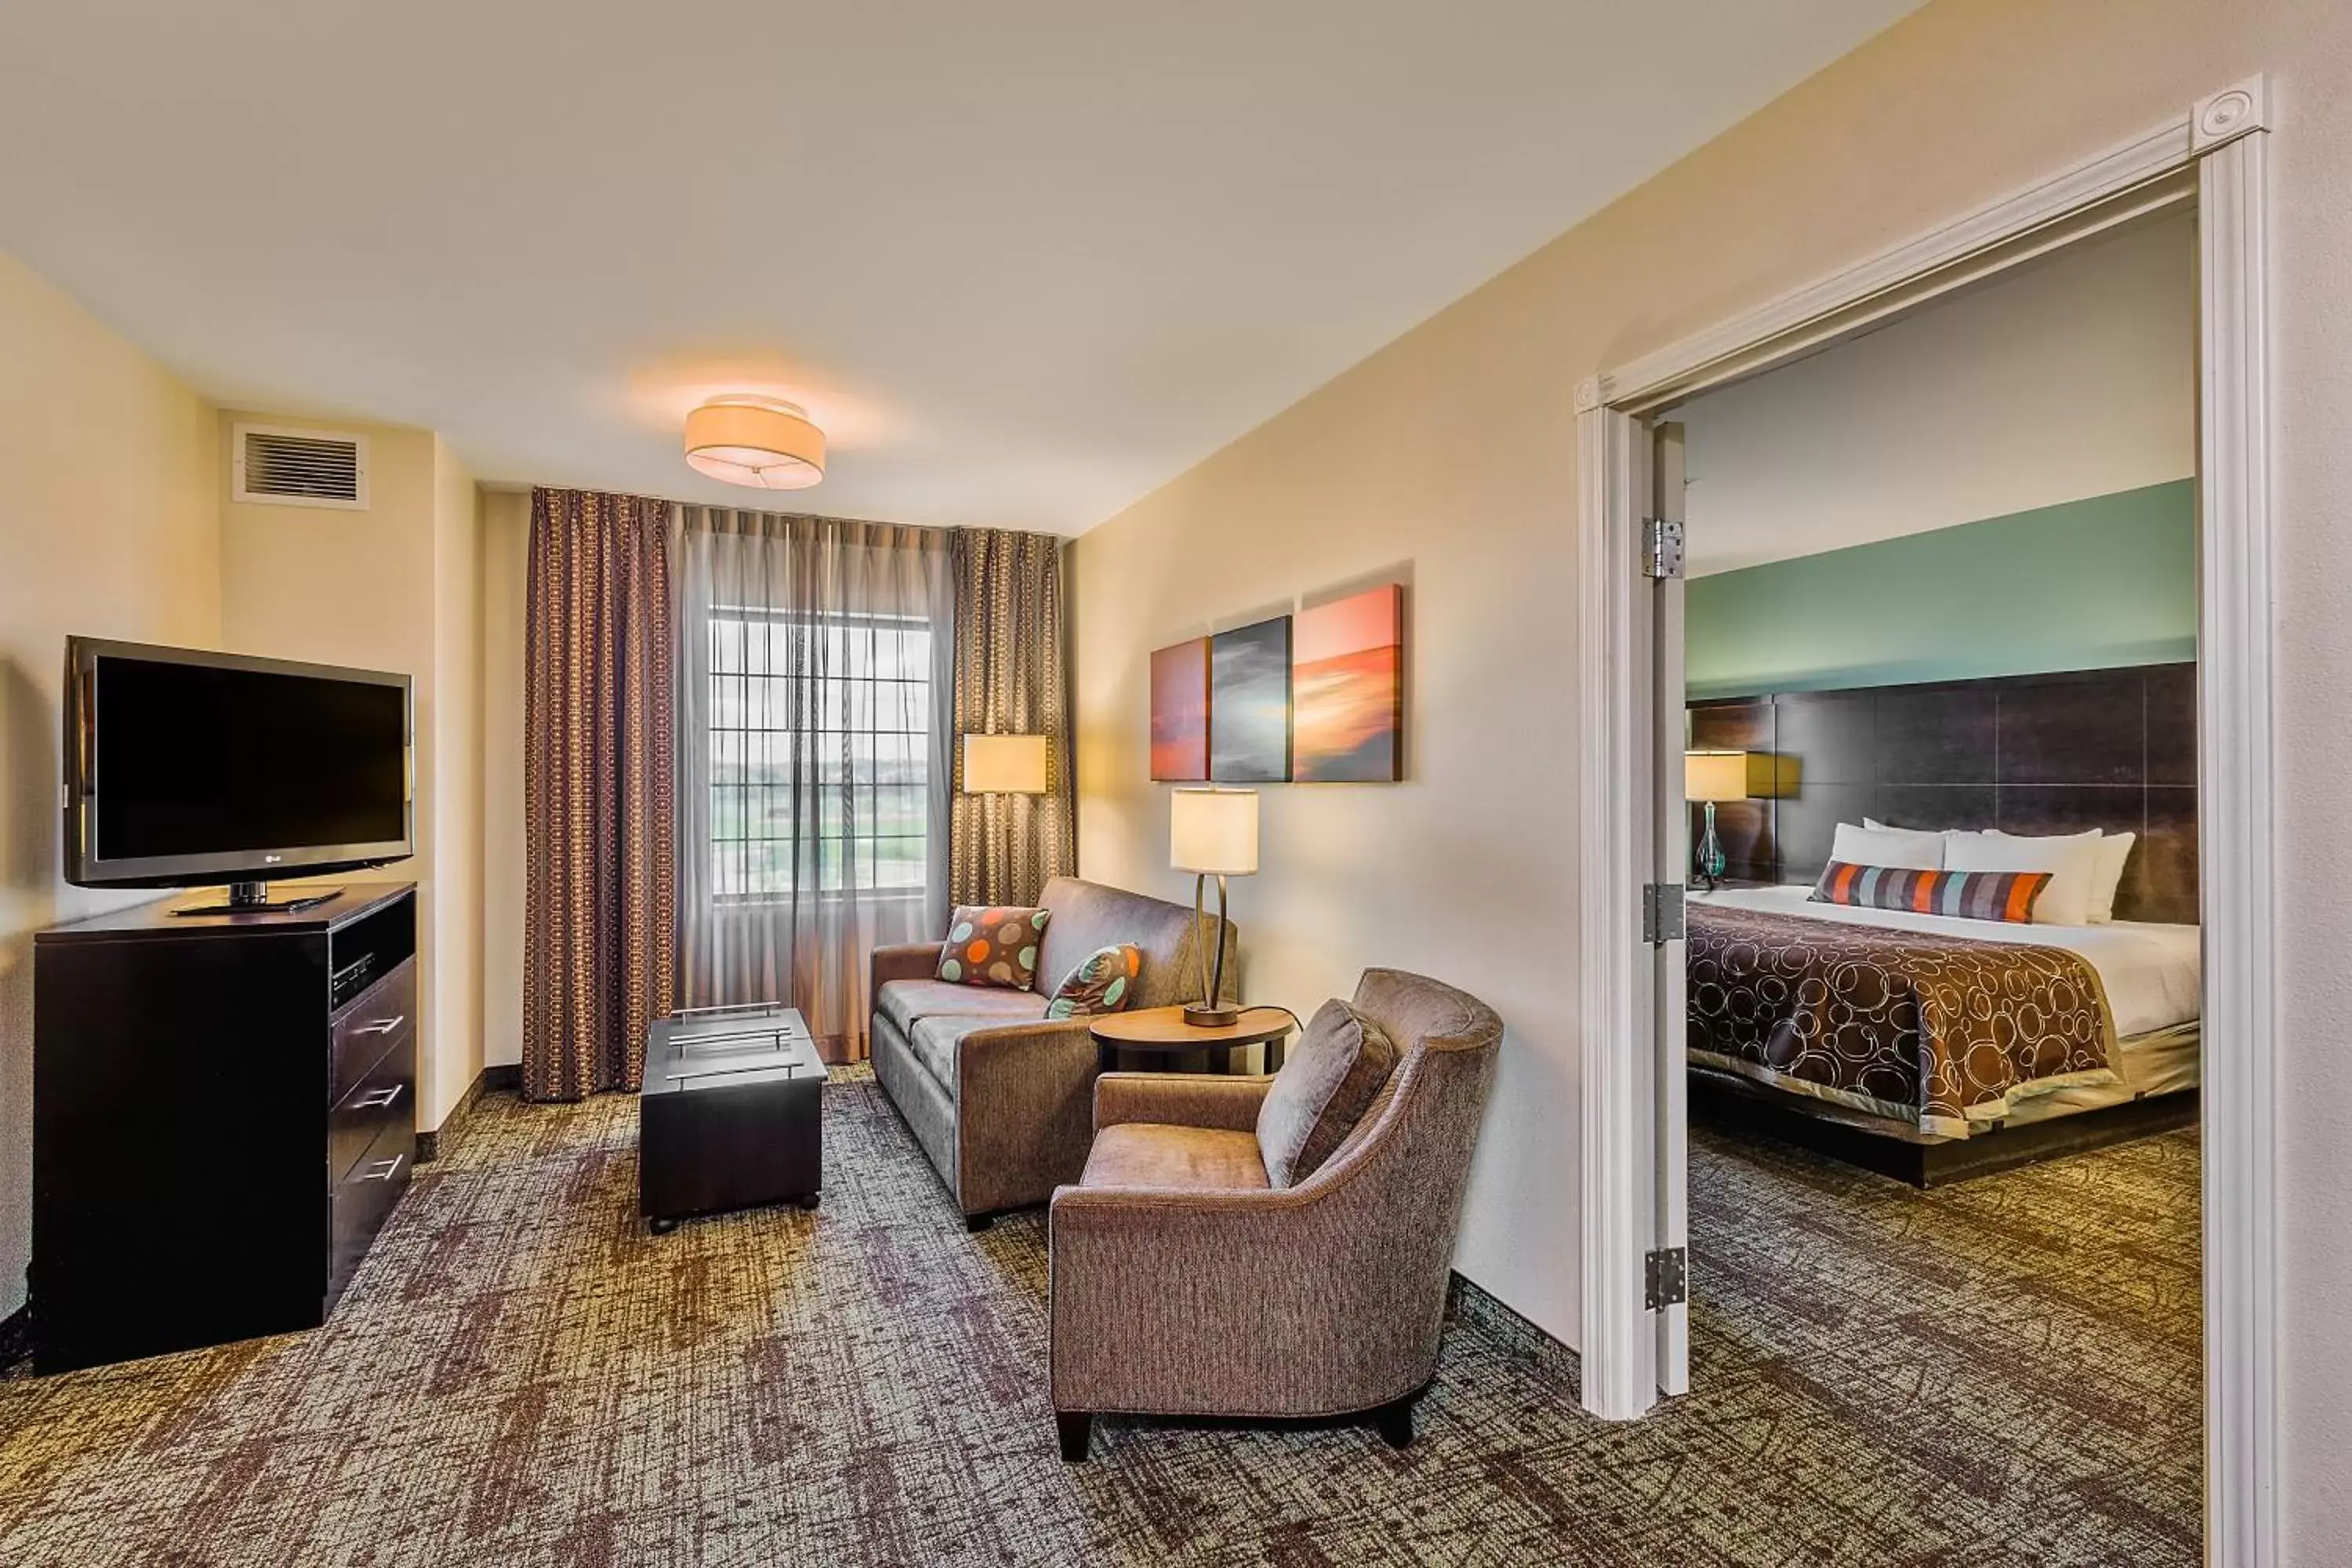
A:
[1940, 1033]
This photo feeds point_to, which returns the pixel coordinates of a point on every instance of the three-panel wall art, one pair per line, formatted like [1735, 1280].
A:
[1315, 697]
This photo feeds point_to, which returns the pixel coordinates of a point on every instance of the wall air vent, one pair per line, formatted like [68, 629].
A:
[300, 468]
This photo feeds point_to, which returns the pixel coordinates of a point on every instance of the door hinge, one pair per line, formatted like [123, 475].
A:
[1665, 1278]
[1662, 548]
[1662, 913]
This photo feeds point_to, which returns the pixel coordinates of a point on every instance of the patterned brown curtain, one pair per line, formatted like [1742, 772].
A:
[1010, 680]
[600, 936]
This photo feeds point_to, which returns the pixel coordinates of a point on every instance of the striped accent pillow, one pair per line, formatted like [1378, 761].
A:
[1969, 895]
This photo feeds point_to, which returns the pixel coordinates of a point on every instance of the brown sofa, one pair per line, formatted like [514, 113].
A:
[1184, 1286]
[998, 1096]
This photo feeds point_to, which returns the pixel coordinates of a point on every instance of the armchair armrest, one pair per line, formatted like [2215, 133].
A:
[1237, 1293]
[1184, 1099]
[901, 960]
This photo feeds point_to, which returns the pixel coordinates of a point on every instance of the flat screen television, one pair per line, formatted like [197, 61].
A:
[185, 768]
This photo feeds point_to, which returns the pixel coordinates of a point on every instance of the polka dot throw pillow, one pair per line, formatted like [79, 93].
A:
[1104, 982]
[993, 946]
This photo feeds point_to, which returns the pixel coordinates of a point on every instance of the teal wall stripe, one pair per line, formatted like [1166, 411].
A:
[2093, 585]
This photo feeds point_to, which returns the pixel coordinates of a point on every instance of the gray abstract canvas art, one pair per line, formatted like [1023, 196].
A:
[1249, 703]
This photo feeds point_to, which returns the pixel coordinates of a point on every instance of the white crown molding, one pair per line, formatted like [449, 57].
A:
[2216, 151]
[2237, 849]
[2146, 157]
[2221, 117]
[1616, 1019]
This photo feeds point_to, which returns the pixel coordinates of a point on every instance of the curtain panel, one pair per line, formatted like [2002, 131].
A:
[1010, 678]
[600, 959]
[813, 756]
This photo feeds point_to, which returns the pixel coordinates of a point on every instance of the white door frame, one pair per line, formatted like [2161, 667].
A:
[2214, 157]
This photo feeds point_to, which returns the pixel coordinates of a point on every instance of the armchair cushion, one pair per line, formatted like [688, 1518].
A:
[1161, 1157]
[907, 1002]
[1322, 1091]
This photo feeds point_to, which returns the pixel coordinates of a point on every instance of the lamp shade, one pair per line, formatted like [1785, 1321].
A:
[1714, 775]
[762, 442]
[1213, 831]
[1004, 764]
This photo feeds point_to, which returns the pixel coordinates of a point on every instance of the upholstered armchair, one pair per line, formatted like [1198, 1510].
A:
[1182, 1285]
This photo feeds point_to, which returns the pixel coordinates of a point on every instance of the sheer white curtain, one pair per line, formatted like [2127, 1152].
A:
[814, 756]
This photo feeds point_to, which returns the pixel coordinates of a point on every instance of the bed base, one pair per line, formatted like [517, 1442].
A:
[1734, 1105]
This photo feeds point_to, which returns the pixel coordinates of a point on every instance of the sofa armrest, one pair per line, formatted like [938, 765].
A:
[1023, 1096]
[1183, 1099]
[901, 960]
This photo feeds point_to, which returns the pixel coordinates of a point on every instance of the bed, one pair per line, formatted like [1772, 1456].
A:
[1929, 1046]
[1925, 1032]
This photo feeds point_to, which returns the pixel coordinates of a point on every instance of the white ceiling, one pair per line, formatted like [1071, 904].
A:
[1025, 259]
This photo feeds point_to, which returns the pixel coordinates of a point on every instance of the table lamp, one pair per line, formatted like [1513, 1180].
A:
[1711, 776]
[1212, 832]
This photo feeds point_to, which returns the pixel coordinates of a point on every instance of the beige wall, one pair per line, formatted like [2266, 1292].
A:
[393, 587]
[506, 554]
[107, 526]
[1454, 450]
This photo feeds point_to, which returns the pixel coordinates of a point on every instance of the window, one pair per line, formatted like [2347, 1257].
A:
[820, 739]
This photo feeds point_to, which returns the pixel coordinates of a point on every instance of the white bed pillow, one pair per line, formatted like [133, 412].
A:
[2115, 854]
[2072, 862]
[1900, 849]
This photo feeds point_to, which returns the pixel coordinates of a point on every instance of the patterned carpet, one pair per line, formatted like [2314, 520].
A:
[2005, 1372]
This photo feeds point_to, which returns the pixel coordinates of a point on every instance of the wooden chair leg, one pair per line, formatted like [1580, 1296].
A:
[1394, 1421]
[1075, 1427]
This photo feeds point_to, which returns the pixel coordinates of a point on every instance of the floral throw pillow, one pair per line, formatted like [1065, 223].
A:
[1104, 982]
[993, 946]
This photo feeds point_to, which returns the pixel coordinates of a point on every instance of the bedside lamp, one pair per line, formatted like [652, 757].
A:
[1004, 764]
[1212, 832]
[1711, 776]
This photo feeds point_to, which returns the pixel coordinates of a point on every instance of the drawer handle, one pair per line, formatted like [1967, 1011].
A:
[381, 1170]
[379, 1099]
[382, 1026]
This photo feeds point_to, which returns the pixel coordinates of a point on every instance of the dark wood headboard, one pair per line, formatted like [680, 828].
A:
[2031, 753]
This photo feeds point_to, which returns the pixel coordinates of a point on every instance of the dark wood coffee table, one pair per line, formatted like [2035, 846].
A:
[1162, 1033]
[730, 1114]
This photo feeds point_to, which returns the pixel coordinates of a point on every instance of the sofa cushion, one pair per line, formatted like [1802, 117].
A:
[993, 945]
[1104, 982]
[907, 1003]
[933, 1043]
[1154, 1155]
[1325, 1087]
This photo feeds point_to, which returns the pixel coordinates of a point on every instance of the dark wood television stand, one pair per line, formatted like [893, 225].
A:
[223, 1115]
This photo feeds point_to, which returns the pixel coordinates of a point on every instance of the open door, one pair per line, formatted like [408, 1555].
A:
[1667, 1285]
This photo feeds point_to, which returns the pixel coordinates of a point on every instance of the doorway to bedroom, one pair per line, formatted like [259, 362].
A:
[1942, 960]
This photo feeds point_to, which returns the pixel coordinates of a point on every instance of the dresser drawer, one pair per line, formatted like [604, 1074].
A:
[364, 1200]
[384, 1014]
[385, 1097]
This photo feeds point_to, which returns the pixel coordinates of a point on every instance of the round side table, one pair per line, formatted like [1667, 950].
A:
[1162, 1033]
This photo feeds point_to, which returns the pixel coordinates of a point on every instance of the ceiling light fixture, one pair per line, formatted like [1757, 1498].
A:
[762, 442]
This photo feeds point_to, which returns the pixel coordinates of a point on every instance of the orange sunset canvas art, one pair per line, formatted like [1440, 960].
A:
[1348, 689]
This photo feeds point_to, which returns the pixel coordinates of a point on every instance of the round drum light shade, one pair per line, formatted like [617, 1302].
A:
[762, 442]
